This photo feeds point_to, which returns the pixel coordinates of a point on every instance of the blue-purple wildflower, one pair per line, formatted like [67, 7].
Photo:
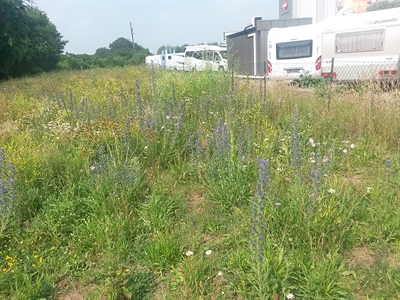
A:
[257, 233]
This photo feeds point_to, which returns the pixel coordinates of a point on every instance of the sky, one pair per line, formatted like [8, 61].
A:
[92, 24]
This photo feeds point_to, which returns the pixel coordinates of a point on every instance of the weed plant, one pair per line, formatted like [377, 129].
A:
[141, 183]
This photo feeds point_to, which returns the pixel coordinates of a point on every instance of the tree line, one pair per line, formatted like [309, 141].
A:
[29, 42]
[120, 53]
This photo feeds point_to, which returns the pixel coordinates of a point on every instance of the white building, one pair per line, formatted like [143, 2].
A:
[319, 10]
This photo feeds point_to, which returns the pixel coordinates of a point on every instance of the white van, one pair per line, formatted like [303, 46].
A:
[363, 46]
[293, 51]
[153, 60]
[202, 57]
[175, 61]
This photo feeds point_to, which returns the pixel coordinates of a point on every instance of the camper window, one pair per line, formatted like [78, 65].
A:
[189, 53]
[359, 41]
[293, 50]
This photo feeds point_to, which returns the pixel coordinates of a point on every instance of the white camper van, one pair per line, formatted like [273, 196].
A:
[201, 57]
[293, 51]
[153, 60]
[175, 61]
[363, 46]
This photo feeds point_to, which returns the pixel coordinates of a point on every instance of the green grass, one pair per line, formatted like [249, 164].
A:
[117, 183]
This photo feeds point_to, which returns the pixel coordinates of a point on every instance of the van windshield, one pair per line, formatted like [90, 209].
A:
[224, 54]
[293, 50]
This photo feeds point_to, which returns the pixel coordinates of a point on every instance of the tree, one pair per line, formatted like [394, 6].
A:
[29, 42]
[12, 35]
[102, 52]
[383, 4]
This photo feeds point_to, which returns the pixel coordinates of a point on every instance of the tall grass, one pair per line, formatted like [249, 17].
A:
[149, 184]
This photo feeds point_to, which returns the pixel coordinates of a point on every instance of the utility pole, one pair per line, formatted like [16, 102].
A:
[133, 41]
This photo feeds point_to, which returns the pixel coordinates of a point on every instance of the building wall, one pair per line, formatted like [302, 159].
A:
[240, 53]
[318, 10]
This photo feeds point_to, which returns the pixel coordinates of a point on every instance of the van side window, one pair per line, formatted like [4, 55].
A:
[189, 53]
[359, 41]
[197, 55]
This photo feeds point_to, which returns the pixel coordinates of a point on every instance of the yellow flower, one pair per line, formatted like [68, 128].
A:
[118, 273]
[127, 270]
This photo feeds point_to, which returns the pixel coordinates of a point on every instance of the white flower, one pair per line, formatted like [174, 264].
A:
[208, 252]
[220, 273]
[344, 150]
[189, 253]
[331, 191]
[92, 168]
[352, 146]
[290, 296]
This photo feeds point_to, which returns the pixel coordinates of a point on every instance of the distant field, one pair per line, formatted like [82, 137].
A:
[135, 183]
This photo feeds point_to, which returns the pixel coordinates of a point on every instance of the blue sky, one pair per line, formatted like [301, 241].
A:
[89, 25]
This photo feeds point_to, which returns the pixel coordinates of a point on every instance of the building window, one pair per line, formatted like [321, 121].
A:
[293, 50]
[359, 41]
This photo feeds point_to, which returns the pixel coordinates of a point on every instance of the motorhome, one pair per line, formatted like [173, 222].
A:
[202, 57]
[293, 51]
[175, 61]
[153, 60]
[362, 46]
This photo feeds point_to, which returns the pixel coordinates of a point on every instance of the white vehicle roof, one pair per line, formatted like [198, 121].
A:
[295, 32]
[205, 47]
[383, 18]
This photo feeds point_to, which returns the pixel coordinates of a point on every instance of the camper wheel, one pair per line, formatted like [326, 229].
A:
[221, 68]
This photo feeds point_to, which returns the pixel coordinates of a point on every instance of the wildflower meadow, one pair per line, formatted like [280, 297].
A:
[142, 183]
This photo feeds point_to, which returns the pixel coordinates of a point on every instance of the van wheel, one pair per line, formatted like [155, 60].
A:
[221, 69]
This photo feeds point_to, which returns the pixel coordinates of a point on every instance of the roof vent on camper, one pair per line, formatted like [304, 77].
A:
[254, 20]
